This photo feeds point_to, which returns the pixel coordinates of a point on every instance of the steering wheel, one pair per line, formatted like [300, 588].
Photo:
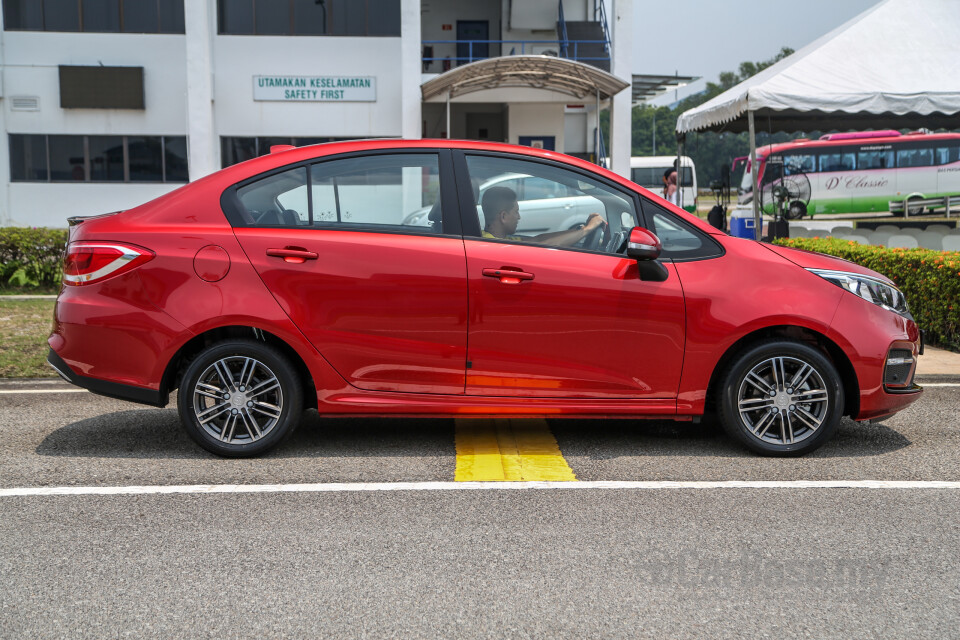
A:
[597, 239]
[615, 242]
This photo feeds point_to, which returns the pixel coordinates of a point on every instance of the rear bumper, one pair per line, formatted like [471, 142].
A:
[116, 390]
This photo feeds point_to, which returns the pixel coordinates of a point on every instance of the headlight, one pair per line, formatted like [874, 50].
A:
[880, 293]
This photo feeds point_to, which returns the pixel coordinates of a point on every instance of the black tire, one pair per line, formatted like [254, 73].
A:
[792, 422]
[248, 414]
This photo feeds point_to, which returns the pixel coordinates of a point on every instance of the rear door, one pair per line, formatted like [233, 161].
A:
[384, 303]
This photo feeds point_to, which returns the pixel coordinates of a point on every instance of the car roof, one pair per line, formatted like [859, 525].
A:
[250, 168]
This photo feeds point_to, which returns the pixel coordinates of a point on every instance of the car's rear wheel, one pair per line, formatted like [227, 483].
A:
[240, 398]
[781, 398]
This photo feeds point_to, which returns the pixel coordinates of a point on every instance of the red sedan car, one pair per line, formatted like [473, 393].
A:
[449, 278]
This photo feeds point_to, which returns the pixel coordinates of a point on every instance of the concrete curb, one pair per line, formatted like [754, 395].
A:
[28, 297]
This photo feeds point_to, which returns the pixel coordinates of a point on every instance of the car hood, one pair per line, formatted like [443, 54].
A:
[814, 260]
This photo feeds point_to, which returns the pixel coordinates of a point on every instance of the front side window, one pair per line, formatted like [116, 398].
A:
[397, 192]
[522, 201]
[680, 240]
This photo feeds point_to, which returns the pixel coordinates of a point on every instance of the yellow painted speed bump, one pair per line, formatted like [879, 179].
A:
[508, 450]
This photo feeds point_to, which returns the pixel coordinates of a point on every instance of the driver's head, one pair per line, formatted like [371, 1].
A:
[501, 211]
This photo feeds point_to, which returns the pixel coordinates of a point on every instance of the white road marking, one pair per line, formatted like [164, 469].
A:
[341, 487]
[940, 384]
[15, 392]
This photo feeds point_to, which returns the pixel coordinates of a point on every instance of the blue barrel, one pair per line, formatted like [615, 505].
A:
[742, 224]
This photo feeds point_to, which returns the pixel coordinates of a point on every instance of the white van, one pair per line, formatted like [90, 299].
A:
[647, 171]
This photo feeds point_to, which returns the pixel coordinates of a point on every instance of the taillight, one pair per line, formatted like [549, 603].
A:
[88, 262]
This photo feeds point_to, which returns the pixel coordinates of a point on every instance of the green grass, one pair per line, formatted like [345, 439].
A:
[6, 290]
[24, 327]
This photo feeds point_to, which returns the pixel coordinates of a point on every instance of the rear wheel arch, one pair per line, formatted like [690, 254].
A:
[181, 360]
[848, 376]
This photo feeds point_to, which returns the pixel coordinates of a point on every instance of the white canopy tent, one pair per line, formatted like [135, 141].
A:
[896, 65]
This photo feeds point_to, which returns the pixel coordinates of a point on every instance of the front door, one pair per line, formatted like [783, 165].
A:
[557, 314]
[381, 294]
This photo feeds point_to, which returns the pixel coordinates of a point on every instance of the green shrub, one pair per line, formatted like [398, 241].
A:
[929, 279]
[31, 258]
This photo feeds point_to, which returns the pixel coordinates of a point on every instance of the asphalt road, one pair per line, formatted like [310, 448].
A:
[479, 563]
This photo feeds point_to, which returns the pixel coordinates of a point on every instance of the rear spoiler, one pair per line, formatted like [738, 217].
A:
[73, 221]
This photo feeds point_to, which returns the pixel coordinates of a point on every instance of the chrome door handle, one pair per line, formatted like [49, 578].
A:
[294, 255]
[507, 275]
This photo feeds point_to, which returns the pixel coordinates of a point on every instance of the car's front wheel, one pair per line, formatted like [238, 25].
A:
[239, 398]
[781, 398]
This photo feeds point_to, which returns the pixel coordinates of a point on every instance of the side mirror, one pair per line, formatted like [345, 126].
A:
[643, 245]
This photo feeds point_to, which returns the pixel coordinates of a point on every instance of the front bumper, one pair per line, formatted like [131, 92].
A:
[868, 335]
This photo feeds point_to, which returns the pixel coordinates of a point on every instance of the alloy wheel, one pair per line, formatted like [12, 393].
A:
[783, 400]
[237, 400]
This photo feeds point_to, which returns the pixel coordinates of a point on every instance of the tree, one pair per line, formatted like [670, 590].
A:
[709, 151]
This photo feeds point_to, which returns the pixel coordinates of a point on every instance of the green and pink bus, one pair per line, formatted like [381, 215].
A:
[862, 171]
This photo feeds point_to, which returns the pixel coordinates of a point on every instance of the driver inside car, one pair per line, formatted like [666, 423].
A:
[502, 214]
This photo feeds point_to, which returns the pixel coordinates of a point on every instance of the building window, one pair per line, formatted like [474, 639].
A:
[309, 17]
[234, 150]
[95, 16]
[56, 158]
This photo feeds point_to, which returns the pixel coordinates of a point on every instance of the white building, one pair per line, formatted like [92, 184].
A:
[107, 104]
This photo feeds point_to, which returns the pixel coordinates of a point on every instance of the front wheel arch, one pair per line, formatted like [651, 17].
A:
[781, 397]
[848, 375]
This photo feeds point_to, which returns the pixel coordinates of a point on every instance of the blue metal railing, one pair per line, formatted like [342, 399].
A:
[526, 47]
[600, 15]
[562, 31]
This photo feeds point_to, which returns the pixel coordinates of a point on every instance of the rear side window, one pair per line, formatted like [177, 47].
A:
[393, 190]
[399, 192]
[277, 200]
